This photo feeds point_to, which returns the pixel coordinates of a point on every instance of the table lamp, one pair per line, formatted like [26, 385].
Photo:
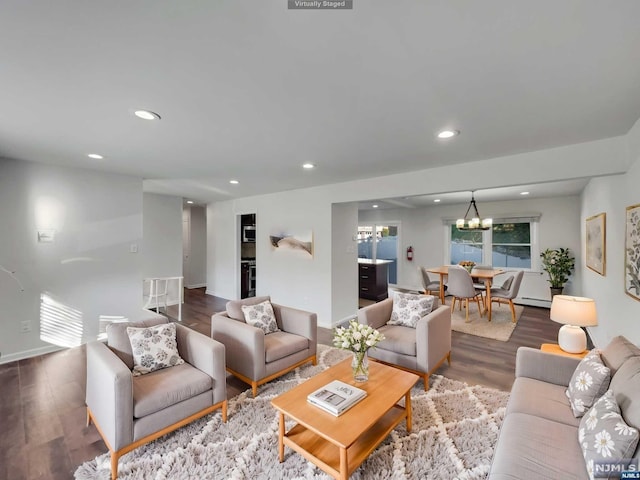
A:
[573, 313]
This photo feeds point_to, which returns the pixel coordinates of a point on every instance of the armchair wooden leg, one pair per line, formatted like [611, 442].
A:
[425, 380]
[88, 417]
[449, 358]
[314, 362]
[114, 465]
[254, 388]
[224, 411]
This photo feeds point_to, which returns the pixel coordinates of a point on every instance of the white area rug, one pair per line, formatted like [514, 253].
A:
[499, 328]
[455, 428]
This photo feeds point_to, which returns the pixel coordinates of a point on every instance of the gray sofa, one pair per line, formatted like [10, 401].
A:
[539, 436]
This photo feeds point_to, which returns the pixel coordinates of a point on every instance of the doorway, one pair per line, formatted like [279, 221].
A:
[380, 242]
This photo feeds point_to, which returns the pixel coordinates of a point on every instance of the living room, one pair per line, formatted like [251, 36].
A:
[82, 236]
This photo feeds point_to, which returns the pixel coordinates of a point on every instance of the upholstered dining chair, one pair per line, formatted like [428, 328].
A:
[430, 287]
[420, 350]
[256, 357]
[508, 291]
[461, 288]
[480, 285]
[128, 410]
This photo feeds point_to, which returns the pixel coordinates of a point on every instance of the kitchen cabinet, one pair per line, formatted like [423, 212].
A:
[373, 283]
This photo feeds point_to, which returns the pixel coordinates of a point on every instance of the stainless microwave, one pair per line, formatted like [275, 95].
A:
[249, 233]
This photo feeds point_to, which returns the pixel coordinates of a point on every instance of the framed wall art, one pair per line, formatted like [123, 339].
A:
[632, 252]
[596, 246]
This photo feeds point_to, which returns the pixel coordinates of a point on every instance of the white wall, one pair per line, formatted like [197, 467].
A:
[198, 251]
[161, 252]
[162, 232]
[309, 284]
[618, 313]
[423, 228]
[344, 255]
[88, 269]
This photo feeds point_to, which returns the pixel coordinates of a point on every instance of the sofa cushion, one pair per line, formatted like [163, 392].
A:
[163, 388]
[603, 434]
[118, 340]
[398, 339]
[626, 388]
[542, 399]
[282, 344]
[409, 308]
[154, 348]
[261, 316]
[534, 447]
[588, 383]
[617, 352]
[234, 307]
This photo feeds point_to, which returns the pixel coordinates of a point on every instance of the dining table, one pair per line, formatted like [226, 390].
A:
[485, 275]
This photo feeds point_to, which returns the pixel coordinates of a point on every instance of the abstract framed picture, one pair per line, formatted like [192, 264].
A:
[293, 244]
[596, 247]
[632, 252]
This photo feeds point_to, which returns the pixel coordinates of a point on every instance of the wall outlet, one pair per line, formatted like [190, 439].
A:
[25, 326]
[133, 248]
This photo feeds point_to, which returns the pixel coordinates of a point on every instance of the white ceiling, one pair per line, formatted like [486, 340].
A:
[250, 90]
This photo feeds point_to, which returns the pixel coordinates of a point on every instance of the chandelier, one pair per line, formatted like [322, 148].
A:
[474, 223]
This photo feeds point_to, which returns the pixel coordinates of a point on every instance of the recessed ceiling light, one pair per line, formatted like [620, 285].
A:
[308, 166]
[95, 156]
[524, 193]
[190, 202]
[234, 182]
[448, 133]
[146, 115]
[437, 200]
[374, 206]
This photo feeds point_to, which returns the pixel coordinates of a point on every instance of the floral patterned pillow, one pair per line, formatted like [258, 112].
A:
[261, 316]
[408, 308]
[153, 348]
[604, 435]
[589, 382]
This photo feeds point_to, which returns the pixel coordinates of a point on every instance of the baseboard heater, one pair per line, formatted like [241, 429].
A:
[533, 302]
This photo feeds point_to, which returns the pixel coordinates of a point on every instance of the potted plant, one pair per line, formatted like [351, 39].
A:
[558, 263]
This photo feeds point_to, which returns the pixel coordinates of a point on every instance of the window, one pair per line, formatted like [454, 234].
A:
[510, 243]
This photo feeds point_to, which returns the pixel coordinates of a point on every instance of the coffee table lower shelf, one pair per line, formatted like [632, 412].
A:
[330, 457]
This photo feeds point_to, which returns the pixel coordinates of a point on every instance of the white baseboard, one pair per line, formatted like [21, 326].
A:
[196, 285]
[13, 357]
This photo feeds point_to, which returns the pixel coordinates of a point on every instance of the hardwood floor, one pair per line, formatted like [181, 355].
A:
[42, 412]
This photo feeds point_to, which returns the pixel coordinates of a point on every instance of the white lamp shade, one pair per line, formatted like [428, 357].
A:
[577, 311]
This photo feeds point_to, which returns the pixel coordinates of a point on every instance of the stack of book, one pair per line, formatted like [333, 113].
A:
[336, 397]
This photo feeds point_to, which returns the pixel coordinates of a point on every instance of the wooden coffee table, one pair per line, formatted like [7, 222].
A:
[338, 445]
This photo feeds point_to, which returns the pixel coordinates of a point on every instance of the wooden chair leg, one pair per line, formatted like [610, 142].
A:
[88, 417]
[513, 311]
[466, 305]
[425, 380]
[254, 389]
[453, 304]
[449, 358]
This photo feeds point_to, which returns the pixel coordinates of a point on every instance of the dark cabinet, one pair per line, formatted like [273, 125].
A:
[373, 281]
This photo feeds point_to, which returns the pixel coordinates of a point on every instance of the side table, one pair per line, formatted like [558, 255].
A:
[555, 348]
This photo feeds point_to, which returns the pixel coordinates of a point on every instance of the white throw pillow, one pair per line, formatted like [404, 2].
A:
[261, 316]
[408, 308]
[589, 382]
[604, 435]
[154, 348]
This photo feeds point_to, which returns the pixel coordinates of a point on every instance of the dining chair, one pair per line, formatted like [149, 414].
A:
[480, 285]
[461, 288]
[508, 291]
[430, 287]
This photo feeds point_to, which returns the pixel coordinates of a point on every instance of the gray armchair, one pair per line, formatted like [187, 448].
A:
[130, 411]
[256, 358]
[419, 350]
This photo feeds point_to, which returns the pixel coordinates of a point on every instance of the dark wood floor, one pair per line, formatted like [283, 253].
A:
[42, 413]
